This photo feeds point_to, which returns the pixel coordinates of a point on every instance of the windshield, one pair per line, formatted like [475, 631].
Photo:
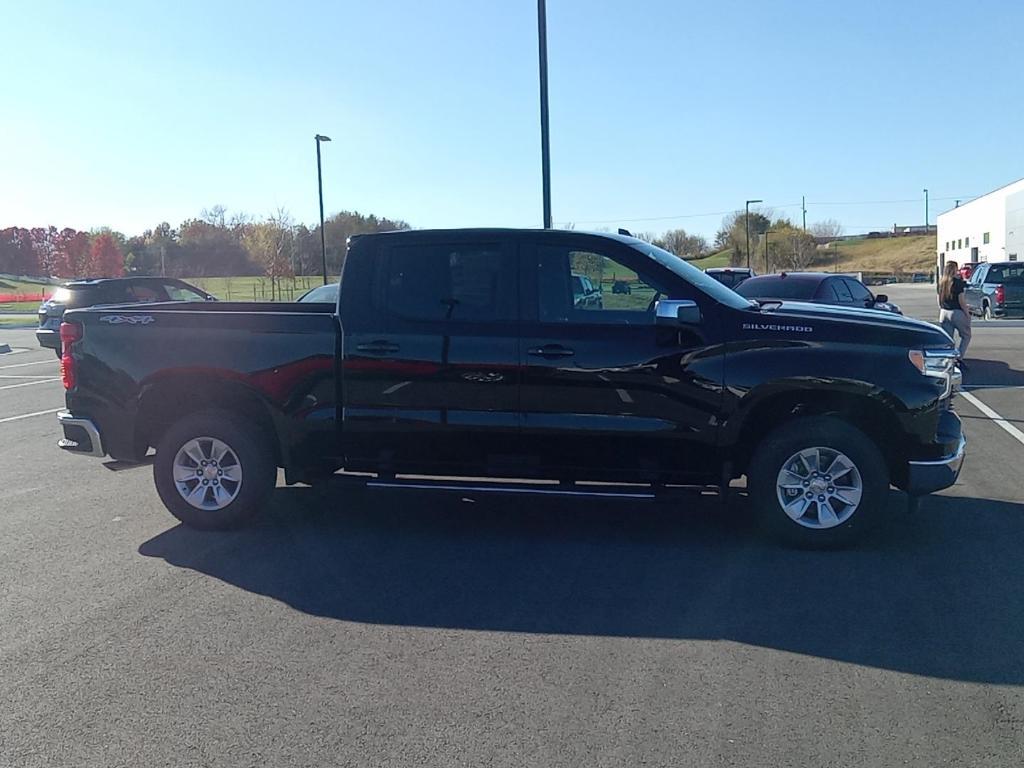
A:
[692, 275]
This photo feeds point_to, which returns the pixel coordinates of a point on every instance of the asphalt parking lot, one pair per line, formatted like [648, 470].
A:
[395, 628]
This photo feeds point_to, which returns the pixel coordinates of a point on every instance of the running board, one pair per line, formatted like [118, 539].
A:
[565, 490]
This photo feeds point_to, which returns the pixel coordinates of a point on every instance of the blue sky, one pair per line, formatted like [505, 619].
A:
[126, 114]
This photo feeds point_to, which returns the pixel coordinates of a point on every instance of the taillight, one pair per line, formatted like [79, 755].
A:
[1000, 295]
[69, 334]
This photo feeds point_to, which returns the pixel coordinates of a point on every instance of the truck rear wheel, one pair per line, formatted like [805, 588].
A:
[213, 471]
[818, 482]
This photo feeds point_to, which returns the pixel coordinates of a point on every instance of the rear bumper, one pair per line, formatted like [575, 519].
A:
[48, 338]
[80, 436]
[928, 476]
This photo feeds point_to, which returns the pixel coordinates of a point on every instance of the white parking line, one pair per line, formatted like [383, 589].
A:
[30, 383]
[29, 415]
[995, 417]
[391, 390]
[23, 376]
[22, 365]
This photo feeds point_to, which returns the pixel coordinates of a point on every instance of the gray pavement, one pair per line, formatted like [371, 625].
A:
[394, 628]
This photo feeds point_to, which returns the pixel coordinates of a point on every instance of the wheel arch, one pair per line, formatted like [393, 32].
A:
[869, 413]
[166, 402]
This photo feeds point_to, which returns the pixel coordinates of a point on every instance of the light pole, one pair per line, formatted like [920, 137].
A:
[545, 151]
[320, 185]
[926, 211]
[746, 223]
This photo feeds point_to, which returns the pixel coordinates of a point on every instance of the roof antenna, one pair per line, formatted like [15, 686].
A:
[625, 232]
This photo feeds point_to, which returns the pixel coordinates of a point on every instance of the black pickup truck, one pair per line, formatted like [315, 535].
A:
[463, 353]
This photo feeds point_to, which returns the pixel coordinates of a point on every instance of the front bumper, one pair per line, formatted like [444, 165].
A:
[80, 436]
[928, 476]
[48, 338]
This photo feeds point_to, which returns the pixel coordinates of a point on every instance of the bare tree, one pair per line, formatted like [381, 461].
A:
[272, 243]
[792, 249]
[828, 229]
[683, 244]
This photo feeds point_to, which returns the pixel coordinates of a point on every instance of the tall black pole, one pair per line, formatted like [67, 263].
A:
[545, 151]
[320, 186]
[746, 223]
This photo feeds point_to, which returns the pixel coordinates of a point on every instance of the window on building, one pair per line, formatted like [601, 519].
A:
[959, 243]
[947, 245]
[967, 242]
[984, 239]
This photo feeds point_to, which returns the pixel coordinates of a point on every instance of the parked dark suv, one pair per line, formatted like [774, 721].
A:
[119, 290]
[816, 287]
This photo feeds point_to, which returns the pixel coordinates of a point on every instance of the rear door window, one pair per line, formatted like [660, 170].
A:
[842, 292]
[458, 282]
[180, 292]
[827, 293]
[145, 293]
[857, 290]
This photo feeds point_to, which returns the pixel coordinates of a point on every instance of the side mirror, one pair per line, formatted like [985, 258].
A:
[677, 312]
[882, 298]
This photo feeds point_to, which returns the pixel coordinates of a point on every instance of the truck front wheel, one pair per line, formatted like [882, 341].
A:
[213, 471]
[818, 482]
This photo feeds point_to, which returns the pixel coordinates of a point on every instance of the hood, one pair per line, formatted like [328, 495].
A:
[881, 321]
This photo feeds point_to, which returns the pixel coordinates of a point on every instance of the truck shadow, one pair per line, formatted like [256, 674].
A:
[937, 593]
[992, 373]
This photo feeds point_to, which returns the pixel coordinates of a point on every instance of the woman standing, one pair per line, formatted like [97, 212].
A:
[953, 313]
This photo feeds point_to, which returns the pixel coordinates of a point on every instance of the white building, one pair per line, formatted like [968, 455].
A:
[988, 228]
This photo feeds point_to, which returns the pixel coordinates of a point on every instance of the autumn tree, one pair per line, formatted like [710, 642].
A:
[271, 242]
[72, 253]
[106, 258]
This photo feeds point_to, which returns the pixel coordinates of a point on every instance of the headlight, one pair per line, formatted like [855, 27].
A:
[933, 362]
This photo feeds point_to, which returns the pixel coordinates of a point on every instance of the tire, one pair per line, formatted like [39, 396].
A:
[834, 523]
[217, 502]
[986, 311]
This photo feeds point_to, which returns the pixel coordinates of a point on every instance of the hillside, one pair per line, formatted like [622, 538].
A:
[889, 254]
[895, 254]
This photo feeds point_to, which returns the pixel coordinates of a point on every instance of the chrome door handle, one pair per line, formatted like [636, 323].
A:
[378, 348]
[551, 351]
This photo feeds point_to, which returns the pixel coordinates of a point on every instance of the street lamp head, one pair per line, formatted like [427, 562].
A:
[750, 202]
[318, 137]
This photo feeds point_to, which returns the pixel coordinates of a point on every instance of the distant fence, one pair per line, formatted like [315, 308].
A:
[14, 298]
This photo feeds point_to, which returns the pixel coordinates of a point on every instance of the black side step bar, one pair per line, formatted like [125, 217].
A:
[531, 487]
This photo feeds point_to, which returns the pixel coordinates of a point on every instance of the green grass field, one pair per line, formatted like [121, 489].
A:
[256, 288]
[720, 259]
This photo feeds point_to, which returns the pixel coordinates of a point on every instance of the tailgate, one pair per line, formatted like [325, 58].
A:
[1014, 295]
